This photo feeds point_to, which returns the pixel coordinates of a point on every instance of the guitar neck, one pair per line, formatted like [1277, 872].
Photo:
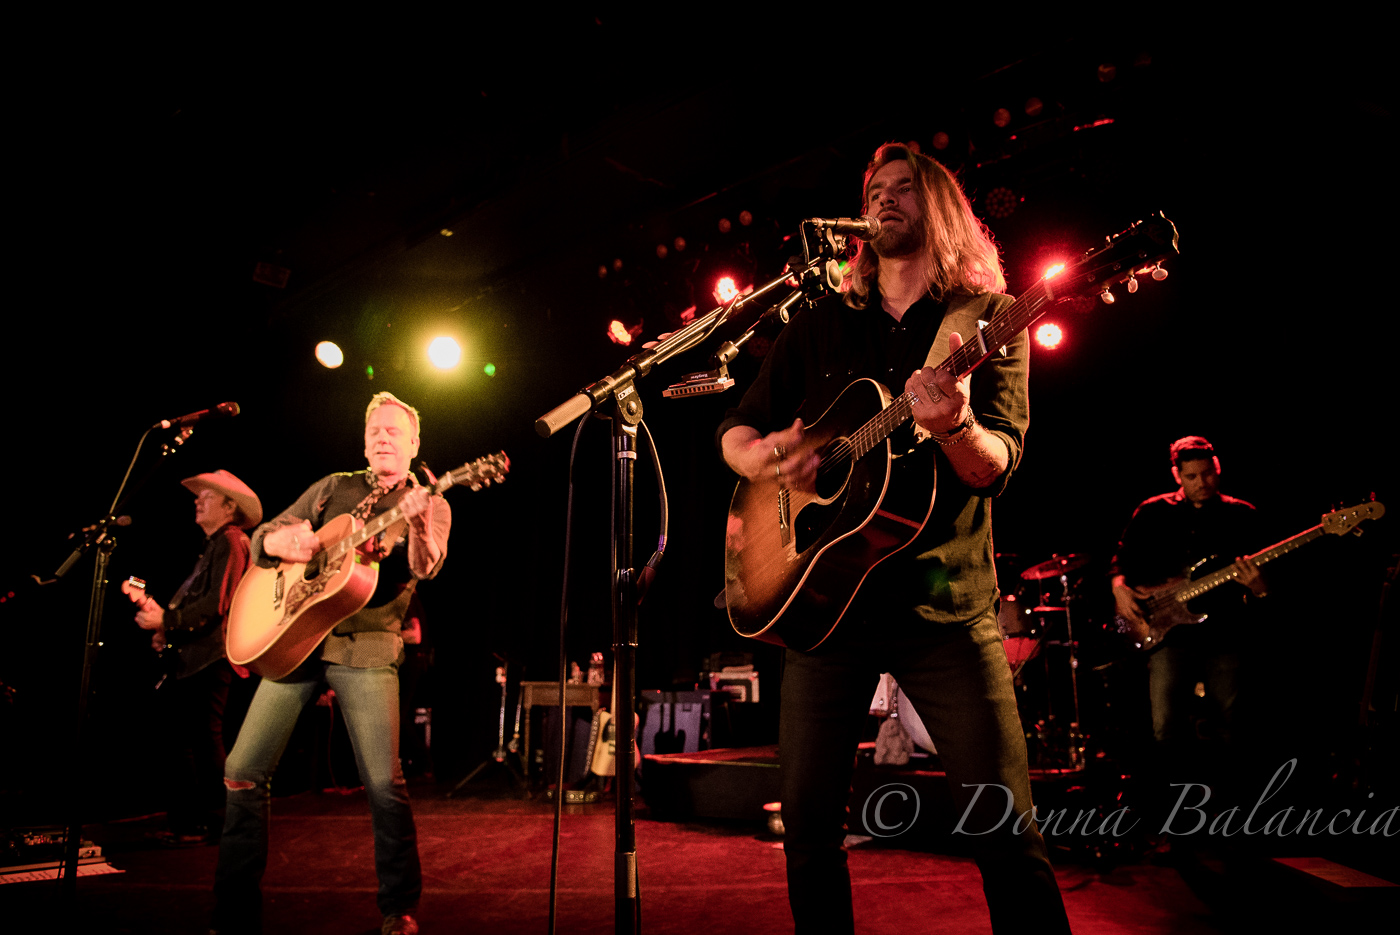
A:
[1194, 589]
[366, 532]
[1003, 327]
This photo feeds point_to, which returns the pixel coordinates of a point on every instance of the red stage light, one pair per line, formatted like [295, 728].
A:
[1049, 335]
[725, 289]
[1054, 270]
[618, 333]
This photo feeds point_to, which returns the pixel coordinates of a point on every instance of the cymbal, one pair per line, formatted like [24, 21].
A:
[1054, 567]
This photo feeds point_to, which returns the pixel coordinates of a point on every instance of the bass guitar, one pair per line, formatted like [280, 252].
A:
[1166, 605]
[281, 614]
[793, 559]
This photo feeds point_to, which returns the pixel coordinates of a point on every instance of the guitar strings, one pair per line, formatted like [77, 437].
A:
[900, 409]
[1222, 575]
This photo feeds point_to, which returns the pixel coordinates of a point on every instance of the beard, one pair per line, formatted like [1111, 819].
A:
[898, 242]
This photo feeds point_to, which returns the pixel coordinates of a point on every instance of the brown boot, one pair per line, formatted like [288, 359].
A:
[399, 925]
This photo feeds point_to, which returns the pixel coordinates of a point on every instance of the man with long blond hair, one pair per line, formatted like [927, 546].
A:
[928, 613]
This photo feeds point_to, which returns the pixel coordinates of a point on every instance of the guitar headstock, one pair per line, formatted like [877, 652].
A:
[135, 588]
[1348, 518]
[1137, 251]
[482, 472]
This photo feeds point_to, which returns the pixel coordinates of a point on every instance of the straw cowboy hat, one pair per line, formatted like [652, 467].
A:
[249, 506]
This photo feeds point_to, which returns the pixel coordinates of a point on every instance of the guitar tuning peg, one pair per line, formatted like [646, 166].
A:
[1132, 283]
[1106, 296]
[1158, 273]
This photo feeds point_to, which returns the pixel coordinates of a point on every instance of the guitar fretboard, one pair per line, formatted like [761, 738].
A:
[483, 470]
[1003, 327]
[1194, 589]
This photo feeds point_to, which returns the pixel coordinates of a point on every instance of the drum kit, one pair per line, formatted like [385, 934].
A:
[1036, 619]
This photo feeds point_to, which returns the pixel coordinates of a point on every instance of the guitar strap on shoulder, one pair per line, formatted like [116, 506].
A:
[964, 315]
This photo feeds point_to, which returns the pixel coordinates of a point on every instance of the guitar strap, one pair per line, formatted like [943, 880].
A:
[388, 617]
[963, 314]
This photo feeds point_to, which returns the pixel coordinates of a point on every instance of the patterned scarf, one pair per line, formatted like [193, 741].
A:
[366, 506]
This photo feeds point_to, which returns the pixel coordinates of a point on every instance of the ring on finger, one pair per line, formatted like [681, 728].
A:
[934, 394]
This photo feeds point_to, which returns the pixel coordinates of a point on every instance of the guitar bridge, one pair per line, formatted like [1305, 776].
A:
[785, 514]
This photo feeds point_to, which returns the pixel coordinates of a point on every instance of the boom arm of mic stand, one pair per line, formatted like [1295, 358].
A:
[595, 394]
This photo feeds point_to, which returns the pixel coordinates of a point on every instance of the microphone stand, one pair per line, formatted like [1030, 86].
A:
[619, 392]
[97, 536]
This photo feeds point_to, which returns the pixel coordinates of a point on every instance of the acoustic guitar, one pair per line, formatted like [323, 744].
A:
[281, 614]
[795, 559]
[1166, 605]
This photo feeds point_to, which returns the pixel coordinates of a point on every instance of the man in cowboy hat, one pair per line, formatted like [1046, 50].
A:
[191, 628]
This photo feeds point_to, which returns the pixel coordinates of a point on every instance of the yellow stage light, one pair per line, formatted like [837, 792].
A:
[445, 353]
[329, 354]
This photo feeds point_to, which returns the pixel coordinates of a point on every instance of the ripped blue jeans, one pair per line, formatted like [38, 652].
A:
[369, 699]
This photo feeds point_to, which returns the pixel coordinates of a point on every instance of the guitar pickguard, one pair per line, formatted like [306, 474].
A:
[301, 592]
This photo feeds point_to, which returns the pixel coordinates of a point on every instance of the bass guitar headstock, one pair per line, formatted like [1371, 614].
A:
[1345, 520]
[483, 472]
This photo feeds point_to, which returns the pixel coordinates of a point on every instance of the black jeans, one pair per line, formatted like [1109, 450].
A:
[194, 708]
[959, 683]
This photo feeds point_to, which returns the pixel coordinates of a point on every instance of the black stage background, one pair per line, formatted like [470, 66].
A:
[149, 187]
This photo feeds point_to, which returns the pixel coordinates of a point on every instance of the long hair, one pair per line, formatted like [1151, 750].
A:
[958, 251]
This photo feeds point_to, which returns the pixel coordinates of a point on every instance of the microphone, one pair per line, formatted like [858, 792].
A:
[866, 228]
[221, 411]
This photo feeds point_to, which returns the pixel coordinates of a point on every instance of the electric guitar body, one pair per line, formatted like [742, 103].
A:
[1179, 601]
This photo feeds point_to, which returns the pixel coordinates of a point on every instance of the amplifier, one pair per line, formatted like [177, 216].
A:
[682, 722]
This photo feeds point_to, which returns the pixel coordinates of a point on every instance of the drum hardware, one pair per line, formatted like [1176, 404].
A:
[1025, 644]
[1055, 567]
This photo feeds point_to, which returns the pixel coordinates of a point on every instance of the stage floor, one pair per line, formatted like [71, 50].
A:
[486, 858]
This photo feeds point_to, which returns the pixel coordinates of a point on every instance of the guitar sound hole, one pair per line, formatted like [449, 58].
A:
[834, 471]
[813, 521]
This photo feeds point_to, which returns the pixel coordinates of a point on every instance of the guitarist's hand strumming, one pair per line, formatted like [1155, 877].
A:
[1125, 600]
[779, 455]
[292, 543]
